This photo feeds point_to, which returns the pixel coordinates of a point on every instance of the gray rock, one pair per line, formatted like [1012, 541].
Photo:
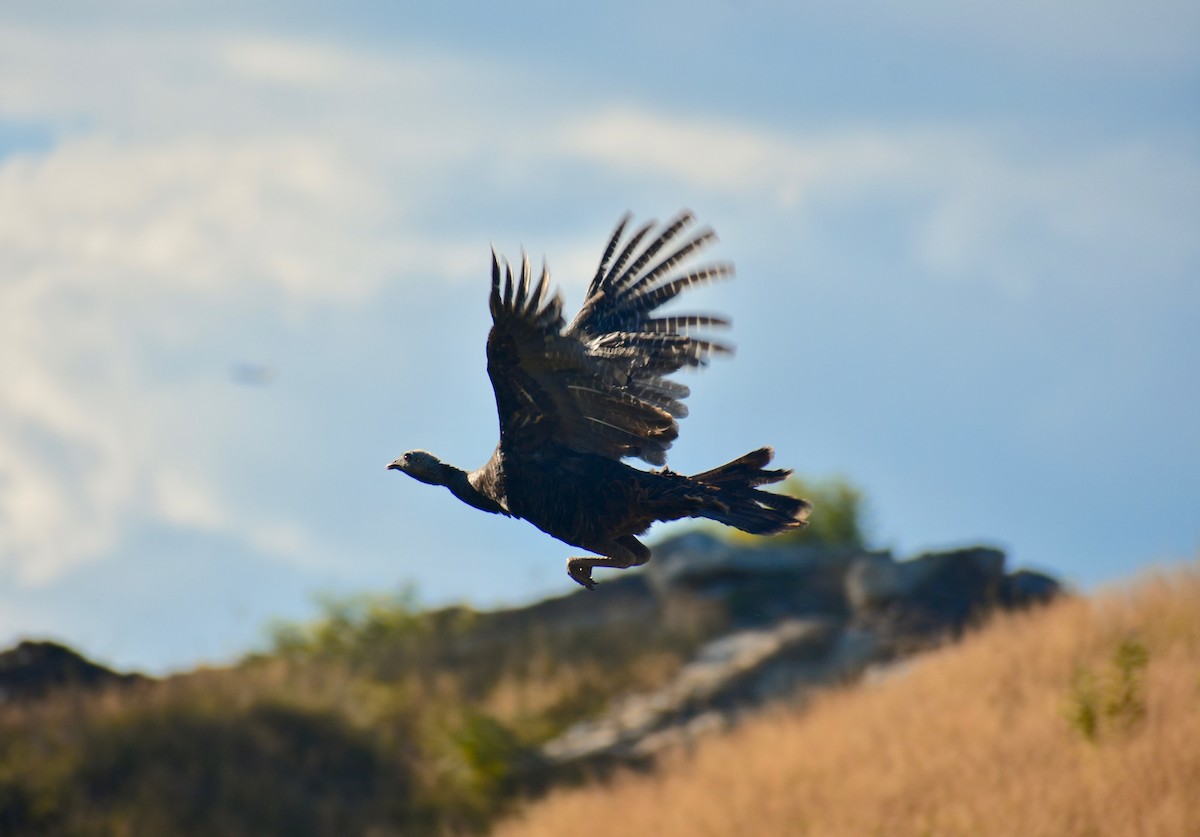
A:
[759, 584]
[928, 596]
[34, 669]
[806, 617]
[875, 580]
[1026, 587]
[696, 559]
[727, 677]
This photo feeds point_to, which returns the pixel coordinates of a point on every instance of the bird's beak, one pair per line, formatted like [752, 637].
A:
[395, 465]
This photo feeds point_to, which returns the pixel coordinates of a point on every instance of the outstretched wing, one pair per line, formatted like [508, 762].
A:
[601, 385]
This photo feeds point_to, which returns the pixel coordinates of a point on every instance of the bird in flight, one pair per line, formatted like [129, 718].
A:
[575, 400]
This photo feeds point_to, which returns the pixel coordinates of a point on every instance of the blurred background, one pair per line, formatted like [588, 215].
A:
[244, 264]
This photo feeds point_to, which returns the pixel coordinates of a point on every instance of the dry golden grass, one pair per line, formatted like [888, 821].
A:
[552, 684]
[979, 738]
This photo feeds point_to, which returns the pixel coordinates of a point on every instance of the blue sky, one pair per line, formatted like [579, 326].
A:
[244, 251]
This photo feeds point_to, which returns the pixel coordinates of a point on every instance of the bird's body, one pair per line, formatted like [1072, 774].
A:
[575, 400]
[585, 499]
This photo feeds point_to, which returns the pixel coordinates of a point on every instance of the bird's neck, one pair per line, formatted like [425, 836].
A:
[459, 483]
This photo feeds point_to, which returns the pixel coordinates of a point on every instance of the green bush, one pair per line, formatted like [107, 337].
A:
[1115, 701]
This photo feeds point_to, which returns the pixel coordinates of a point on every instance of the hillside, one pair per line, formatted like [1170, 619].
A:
[383, 717]
[1080, 718]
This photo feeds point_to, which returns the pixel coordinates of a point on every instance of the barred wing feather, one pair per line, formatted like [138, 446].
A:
[601, 384]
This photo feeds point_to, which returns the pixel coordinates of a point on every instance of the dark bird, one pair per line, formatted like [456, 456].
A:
[574, 400]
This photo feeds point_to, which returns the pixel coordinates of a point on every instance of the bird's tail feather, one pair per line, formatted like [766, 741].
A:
[737, 502]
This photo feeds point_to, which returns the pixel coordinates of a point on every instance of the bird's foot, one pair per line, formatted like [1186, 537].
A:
[581, 571]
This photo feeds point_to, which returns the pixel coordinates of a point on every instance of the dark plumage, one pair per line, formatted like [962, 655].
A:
[575, 400]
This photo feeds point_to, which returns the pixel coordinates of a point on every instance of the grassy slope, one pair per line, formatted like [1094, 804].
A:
[378, 718]
[1079, 719]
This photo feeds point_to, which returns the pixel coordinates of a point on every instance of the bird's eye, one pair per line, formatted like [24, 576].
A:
[407, 457]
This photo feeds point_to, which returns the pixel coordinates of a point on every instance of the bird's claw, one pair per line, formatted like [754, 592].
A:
[581, 574]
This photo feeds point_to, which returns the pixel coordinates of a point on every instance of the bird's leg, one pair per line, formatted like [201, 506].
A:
[619, 553]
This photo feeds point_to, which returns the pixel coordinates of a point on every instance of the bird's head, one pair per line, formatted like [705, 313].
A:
[420, 465]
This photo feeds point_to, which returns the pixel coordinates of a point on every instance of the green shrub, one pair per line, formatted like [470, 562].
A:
[1115, 701]
[1126, 704]
[1083, 711]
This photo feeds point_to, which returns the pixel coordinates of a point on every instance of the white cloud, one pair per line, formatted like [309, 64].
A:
[727, 157]
[189, 197]
[201, 216]
[304, 66]
[183, 502]
[115, 256]
[980, 205]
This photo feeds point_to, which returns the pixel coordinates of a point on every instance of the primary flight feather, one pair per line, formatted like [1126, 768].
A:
[574, 400]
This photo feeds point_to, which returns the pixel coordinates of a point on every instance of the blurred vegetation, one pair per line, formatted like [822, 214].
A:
[379, 717]
[1116, 702]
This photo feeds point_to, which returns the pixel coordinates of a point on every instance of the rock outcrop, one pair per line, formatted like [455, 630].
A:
[803, 617]
[34, 669]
